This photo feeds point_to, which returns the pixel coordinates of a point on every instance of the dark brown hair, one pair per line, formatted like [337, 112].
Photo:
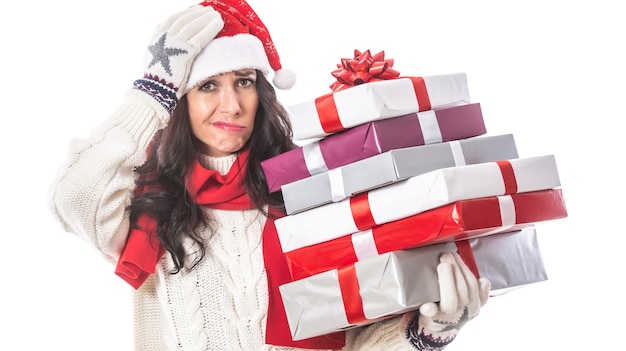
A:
[174, 150]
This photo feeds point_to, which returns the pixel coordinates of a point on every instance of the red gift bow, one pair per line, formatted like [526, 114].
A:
[363, 68]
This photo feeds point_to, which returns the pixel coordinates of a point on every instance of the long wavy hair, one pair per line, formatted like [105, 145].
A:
[173, 152]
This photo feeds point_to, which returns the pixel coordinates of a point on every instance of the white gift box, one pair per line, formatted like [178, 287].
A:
[415, 195]
[401, 281]
[393, 166]
[368, 102]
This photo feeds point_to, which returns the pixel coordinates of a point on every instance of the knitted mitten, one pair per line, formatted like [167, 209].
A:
[175, 44]
[462, 296]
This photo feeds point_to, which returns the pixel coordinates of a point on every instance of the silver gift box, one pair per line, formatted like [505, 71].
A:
[393, 166]
[401, 281]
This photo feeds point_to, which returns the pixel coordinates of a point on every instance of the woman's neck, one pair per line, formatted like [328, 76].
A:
[221, 164]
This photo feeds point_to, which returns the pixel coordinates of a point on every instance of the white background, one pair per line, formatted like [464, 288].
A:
[550, 72]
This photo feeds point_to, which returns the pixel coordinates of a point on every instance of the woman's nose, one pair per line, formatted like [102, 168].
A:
[229, 102]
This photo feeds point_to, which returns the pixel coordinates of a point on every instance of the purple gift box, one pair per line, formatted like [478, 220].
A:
[428, 127]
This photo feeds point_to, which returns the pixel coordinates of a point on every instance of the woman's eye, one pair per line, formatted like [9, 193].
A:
[245, 82]
[207, 86]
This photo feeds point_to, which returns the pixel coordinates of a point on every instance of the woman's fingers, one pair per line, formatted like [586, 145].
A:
[485, 289]
[429, 309]
[449, 299]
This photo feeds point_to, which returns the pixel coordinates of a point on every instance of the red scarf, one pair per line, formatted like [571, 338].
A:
[226, 192]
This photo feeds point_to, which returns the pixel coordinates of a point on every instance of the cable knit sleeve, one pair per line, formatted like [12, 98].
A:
[394, 334]
[95, 184]
[386, 335]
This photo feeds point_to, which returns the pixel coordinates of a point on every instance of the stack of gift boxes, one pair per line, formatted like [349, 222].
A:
[398, 171]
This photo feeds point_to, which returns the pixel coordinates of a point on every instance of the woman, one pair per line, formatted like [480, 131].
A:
[189, 223]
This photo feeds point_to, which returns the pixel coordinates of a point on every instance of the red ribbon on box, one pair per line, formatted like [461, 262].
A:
[362, 213]
[363, 68]
[349, 284]
[456, 221]
[349, 287]
[508, 175]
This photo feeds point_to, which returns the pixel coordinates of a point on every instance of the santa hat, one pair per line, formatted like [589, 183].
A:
[243, 42]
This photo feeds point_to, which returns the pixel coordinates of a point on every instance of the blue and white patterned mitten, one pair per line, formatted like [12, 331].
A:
[173, 48]
[435, 325]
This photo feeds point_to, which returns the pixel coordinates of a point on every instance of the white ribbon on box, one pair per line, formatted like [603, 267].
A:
[430, 127]
[314, 158]
[457, 153]
[415, 195]
[364, 244]
[338, 191]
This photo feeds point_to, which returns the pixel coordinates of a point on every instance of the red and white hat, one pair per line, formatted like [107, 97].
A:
[243, 42]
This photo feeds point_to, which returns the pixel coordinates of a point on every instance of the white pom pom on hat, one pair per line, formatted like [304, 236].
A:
[243, 42]
[284, 78]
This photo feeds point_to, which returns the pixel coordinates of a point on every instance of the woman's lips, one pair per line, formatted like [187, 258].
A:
[228, 127]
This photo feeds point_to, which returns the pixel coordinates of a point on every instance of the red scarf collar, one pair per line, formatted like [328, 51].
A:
[143, 250]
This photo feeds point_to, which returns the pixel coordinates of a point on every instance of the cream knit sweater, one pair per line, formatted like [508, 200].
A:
[220, 304]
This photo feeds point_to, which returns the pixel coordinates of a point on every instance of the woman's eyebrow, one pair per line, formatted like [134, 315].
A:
[244, 73]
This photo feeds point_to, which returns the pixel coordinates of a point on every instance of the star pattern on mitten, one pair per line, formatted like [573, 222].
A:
[162, 54]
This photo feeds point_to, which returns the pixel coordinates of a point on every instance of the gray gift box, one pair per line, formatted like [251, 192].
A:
[393, 166]
[401, 281]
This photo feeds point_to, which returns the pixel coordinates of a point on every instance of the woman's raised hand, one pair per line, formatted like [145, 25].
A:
[169, 56]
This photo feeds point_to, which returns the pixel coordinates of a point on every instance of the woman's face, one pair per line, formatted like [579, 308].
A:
[222, 111]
